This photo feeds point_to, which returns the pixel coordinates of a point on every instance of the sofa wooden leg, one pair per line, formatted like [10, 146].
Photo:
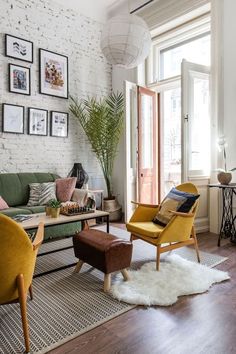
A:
[158, 258]
[23, 309]
[107, 282]
[78, 266]
[125, 274]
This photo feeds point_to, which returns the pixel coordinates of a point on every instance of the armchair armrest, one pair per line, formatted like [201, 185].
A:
[145, 205]
[144, 212]
[178, 213]
[39, 236]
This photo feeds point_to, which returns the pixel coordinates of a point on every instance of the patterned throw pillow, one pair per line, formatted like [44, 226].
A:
[3, 204]
[41, 193]
[65, 188]
[177, 201]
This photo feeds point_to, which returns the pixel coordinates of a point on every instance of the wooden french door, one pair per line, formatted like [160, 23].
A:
[147, 186]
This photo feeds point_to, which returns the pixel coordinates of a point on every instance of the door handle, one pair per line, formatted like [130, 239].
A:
[141, 175]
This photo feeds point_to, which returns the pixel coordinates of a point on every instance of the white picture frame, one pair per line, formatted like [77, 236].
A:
[19, 48]
[37, 121]
[59, 124]
[53, 74]
[13, 118]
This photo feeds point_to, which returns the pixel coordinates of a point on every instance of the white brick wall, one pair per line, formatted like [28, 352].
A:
[66, 32]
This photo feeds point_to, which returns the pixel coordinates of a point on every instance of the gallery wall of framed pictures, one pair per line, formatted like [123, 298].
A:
[13, 121]
[53, 81]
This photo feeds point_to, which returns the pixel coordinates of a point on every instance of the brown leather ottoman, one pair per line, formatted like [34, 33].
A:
[103, 251]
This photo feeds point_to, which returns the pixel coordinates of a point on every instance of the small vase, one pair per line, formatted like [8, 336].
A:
[80, 173]
[224, 177]
[55, 212]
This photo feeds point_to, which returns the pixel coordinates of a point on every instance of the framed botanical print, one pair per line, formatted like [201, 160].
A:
[53, 74]
[18, 48]
[13, 118]
[19, 79]
[37, 121]
[59, 124]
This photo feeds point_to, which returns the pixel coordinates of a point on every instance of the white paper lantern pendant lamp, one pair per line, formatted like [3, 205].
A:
[126, 41]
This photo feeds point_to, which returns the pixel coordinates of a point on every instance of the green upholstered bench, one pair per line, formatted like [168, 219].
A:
[14, 189]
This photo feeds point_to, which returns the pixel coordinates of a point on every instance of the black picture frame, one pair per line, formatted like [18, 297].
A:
[16, 47]
[33, 126]
[13, 84]
[57, 82]
[56, 129]
[8, 118]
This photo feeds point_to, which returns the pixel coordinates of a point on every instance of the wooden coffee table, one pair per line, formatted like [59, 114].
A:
[62, 219]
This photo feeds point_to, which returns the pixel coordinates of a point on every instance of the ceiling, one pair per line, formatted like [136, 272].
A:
[96, 9]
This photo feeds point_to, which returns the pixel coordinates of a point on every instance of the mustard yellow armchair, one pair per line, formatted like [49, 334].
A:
[17, 262]
[177, 233]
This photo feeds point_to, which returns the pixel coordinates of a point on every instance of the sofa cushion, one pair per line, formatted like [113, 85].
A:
[14, 187]
[15, 211]
[65, 188]
[33, 209]
[41, 193]
[3, 204]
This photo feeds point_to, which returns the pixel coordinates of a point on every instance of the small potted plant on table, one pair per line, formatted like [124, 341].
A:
[53, 208]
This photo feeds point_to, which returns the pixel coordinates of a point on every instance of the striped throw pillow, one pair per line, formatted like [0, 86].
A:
[41, 193]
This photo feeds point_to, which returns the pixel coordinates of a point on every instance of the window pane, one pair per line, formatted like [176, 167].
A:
[171, 139]
[196, 51]
[199, 153]
[147, 131]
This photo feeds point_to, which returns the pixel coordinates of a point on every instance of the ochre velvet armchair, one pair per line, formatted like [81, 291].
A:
[177, 233]
[17, 263]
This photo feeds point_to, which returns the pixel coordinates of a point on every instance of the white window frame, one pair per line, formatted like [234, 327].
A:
[185, 32]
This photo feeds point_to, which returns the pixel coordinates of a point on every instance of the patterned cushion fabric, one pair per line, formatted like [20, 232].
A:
[41, 193]
[3, 204]
[177, 201]
[65, 188]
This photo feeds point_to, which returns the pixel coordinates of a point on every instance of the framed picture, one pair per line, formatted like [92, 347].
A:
[59, 124]
[53, 74]
[19, 79]
[18, 48]
[13, 118]
[37, 121]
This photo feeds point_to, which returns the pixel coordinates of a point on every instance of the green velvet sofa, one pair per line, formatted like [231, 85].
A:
[14, 189]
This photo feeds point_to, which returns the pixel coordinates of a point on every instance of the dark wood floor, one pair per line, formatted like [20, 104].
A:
[198, 324]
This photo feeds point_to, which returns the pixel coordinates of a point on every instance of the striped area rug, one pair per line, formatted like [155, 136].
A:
[66, 305]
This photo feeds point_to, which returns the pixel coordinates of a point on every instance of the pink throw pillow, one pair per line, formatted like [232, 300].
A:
[3, 204]
[65, 188]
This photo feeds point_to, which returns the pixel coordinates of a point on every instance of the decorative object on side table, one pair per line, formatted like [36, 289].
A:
[81, 175]
[18, 48]
[13, 118]
[55, 206]
[38, 121]
[53, 74]
[103, 122]
[224, 176]
[59, 124]
[19, 79]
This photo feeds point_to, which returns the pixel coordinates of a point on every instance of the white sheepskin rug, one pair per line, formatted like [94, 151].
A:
[175, 278]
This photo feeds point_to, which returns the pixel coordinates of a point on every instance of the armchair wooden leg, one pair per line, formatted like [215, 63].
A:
[158, 258]
[78, 266]
[23, 309]
[125, 274]
[31, 292]
[107, 282]
[196, 244]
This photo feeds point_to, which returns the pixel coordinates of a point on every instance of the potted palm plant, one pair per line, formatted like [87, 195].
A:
[102, 121]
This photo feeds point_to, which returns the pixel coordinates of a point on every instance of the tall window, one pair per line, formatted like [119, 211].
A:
[192, 43]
